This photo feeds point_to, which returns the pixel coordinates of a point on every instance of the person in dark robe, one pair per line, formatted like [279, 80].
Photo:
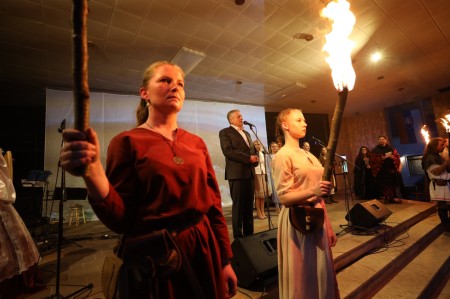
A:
[363, 178]
[386, 166]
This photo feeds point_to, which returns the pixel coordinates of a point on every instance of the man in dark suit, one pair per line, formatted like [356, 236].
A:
[240, 158]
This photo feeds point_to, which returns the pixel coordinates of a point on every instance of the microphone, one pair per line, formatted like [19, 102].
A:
[248, 124]
[63, 126]
[318, 140]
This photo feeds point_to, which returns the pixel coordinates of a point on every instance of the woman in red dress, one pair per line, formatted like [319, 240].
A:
[159, 176]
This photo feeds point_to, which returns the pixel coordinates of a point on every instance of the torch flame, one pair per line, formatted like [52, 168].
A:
[446, 122]
[425, 134]
[338, 45]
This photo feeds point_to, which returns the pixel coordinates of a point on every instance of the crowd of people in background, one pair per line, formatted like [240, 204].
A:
[377, 173]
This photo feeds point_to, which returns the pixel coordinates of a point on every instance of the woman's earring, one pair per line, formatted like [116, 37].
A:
[148, 104]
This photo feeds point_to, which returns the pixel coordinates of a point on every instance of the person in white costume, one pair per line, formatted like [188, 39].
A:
[438, 170]
[18, 252]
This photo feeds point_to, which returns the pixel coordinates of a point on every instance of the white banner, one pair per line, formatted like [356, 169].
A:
[111, 114]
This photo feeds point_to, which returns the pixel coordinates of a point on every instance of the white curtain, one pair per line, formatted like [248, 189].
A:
[111, 114]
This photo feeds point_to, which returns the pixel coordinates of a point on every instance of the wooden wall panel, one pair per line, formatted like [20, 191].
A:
[357, 131]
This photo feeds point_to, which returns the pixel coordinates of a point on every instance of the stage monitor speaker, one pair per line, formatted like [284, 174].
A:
[255, 259]
[368, 214]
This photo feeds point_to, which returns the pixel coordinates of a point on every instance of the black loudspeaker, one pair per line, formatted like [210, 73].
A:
[255, 259]
[368, 214]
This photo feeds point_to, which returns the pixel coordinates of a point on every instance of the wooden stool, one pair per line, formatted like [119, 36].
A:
[77, 211]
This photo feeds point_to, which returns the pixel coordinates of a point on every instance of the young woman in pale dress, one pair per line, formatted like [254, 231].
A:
[262, 189]
[305, 263]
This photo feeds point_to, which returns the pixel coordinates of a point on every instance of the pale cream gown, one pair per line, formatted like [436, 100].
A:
[305, 262]
[18, 251]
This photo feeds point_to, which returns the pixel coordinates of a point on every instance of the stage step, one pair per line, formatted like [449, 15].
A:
[445, 294]
[416, 250]
[376, 237]
[426, 275]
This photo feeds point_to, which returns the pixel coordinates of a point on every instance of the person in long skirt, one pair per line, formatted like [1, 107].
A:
[305, 262]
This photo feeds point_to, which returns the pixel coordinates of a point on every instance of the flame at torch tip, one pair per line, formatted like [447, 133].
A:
[425, 134]
[338, 46]
[446, 122]
[339, 49]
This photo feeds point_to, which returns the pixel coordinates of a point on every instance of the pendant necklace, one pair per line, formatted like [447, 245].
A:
[176, 159]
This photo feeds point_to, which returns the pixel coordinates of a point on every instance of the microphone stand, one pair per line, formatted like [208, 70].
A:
[349, 224]
[63, 198]
[269, 217]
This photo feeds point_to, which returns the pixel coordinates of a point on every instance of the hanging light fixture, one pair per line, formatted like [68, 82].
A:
[188, 59]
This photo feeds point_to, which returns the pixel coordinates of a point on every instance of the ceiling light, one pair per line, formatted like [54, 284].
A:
[376, 56]
[188, 59]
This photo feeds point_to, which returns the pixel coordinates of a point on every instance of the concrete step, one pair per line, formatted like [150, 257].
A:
[438, 283]
[416, 276]
[363, 276]
[445, 293]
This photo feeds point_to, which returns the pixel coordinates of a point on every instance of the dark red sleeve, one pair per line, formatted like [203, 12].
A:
[215, 214]
[116, 212]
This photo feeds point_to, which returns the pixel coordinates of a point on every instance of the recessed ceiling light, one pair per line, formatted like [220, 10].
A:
[306, 36]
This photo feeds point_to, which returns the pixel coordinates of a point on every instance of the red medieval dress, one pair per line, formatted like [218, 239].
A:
[148, 191]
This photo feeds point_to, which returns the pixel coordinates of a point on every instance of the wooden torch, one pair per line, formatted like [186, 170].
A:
[80, 65]
[80, 69]
[339, 48]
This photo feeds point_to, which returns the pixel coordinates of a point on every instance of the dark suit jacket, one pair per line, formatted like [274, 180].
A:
[237, 154]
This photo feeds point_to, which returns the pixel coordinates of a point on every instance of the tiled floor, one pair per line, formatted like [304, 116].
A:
[84, 248]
